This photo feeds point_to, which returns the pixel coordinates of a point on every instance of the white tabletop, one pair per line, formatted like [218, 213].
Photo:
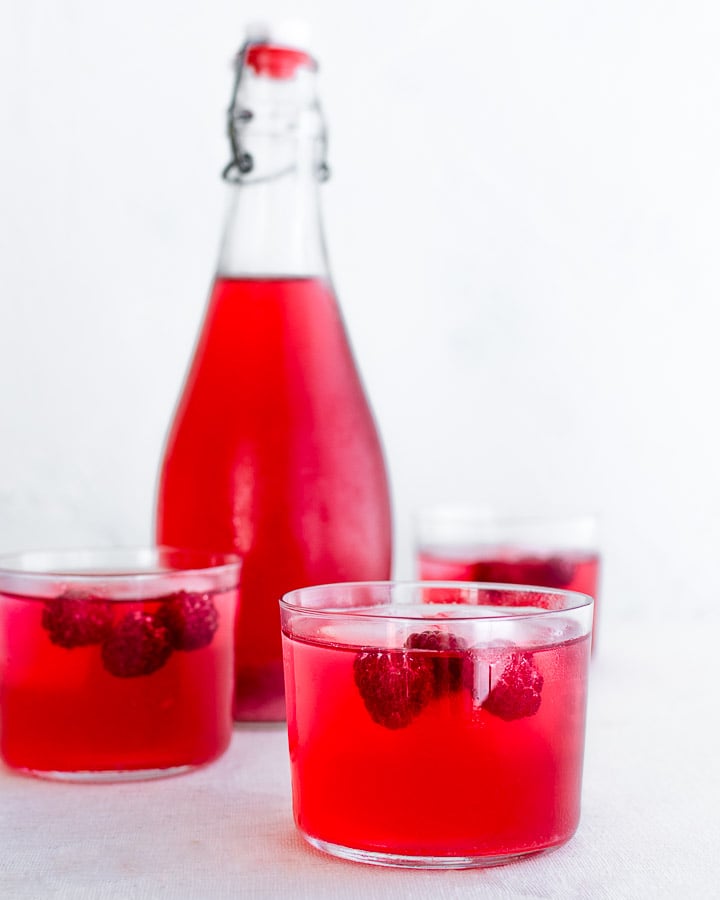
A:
[650, 825]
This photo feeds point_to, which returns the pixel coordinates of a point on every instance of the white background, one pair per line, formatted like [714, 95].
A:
[523, 226]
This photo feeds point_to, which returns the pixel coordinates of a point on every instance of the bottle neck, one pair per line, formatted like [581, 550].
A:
[274, 222]
[278, 141]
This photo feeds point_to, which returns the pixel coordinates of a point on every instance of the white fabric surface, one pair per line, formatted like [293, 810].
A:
[650, 826]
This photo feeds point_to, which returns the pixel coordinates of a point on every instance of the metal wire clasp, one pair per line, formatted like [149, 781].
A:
[241, 162]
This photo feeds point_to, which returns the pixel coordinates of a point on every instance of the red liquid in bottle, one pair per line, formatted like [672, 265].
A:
[273, 454]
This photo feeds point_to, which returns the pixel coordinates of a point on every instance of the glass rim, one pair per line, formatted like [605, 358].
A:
[491, 515]
[584, 601]
[58, 563]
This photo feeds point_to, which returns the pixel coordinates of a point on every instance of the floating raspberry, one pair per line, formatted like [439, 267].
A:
[394, 685]
[550, 572]
[138, 645]
[191, 620]
[487, 571]
[77, 619]
[447, 661]
[555, 572]
[516, 694]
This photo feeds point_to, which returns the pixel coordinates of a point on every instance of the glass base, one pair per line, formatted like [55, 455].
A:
[108, 775]
[375, 858]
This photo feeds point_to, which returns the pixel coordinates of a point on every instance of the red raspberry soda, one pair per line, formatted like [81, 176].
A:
[434, 734]
[115, 669]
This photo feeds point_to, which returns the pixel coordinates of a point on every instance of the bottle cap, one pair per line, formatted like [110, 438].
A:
[276, 50]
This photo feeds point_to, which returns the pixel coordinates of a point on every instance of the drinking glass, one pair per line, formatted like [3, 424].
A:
[435, 725]
[469, 544]
[115, 664]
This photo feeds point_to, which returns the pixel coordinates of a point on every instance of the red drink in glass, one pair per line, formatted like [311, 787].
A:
[475, 758]
[570, 571]
[274, 454]
[95, 685]
[559, 552]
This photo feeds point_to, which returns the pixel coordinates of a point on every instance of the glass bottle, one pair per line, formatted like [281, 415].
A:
[273, 452]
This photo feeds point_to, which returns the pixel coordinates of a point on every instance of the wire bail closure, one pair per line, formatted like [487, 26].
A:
[242, 162]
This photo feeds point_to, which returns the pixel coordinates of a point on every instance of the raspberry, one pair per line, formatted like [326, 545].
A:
[75, 619]
[486, 571]
[395, 686]
[447, 662]
[191, 620]
[138, 645]
[516, 694]
[553, 572]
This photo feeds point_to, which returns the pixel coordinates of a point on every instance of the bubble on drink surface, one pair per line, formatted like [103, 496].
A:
[552, 631]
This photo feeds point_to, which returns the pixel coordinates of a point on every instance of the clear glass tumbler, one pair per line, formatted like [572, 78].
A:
[116, 664]
[435, 725]
[466, 544]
